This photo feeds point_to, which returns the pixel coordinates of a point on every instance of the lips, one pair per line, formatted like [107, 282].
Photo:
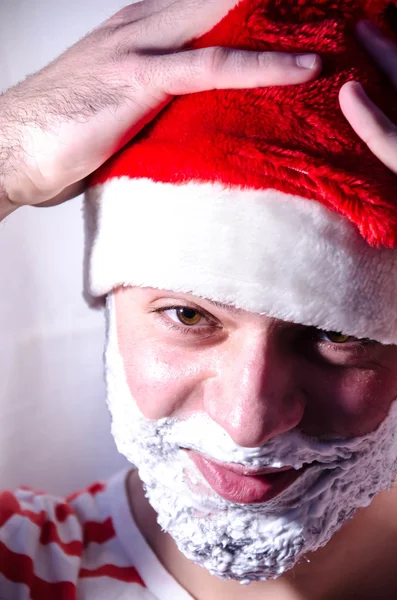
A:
[238, 484]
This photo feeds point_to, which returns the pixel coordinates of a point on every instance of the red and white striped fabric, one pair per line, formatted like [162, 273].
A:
[83, 548]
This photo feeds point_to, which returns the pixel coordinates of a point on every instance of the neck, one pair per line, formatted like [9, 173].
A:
[323, 574]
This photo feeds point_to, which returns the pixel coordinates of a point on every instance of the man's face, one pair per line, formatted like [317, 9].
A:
[255, 376]
[255, 438]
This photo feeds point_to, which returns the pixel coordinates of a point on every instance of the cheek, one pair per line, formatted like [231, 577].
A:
[155, 382]
[350, 403]
[161, 380]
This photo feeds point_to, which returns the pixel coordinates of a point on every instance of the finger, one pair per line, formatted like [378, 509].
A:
[221, 68]
[136, 11]
[370, 123]
[180, 22]
[382, 50]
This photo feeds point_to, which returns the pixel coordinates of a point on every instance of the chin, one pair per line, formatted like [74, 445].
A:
[258, 542]
[243, 541]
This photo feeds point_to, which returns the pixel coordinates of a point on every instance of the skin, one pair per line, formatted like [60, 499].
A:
[118, 78]
[258, 377]
[62, 123]
[255, 376]
[368, 121]
[357, 563]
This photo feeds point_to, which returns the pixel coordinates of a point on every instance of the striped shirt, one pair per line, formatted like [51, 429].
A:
[86, 547]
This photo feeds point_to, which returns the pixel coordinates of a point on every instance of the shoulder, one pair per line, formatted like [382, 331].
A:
[53, 548]
[41, 544]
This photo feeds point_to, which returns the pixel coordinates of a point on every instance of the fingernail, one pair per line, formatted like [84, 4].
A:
[354, 84]
[306, 61]
[358, 88]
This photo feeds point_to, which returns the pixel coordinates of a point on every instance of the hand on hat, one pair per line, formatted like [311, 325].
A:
[61, 124]
[368, 121]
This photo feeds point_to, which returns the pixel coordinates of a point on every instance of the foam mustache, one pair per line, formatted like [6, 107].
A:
[201, 434]
[291, 449]
[245, 542]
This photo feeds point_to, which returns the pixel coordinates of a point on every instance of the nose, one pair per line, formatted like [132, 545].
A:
[256, 396]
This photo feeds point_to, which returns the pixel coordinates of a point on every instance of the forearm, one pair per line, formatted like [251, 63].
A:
[8, 134]
[6, 205]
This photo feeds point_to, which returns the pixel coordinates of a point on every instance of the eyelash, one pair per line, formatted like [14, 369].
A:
[184, 329]
[319, 335]
[314, 335]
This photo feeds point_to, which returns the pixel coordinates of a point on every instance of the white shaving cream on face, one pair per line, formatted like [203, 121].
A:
[245, 542]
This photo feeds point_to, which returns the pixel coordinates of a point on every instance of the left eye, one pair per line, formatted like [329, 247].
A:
[335, 337]
[186, 315]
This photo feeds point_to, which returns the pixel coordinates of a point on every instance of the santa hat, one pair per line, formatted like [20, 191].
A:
[264, 199]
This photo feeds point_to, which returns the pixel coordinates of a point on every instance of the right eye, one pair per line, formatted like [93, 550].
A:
[185, 314]
[335, 337]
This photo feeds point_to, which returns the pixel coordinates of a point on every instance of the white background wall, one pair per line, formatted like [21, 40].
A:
[54, 425]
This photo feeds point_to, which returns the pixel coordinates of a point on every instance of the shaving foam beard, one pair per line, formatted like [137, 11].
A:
[245, 542]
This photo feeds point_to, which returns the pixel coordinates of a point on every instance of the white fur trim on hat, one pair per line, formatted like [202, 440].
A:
[261, 250]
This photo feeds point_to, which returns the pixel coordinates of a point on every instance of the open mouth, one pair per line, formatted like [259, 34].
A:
[240, 484]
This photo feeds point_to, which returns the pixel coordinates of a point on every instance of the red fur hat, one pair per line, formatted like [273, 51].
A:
[265, 199]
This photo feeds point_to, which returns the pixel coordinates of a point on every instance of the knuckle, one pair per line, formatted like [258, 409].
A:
[220, 59]
[143, 70]
[120, 52]
[111, 32]
[123, 48]
[214, 59]
[117, 26]
[125, 15]
[270, 60]
[122, 14]
[265, 60]
[376, 138]
[391, 133]
[101, 37]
